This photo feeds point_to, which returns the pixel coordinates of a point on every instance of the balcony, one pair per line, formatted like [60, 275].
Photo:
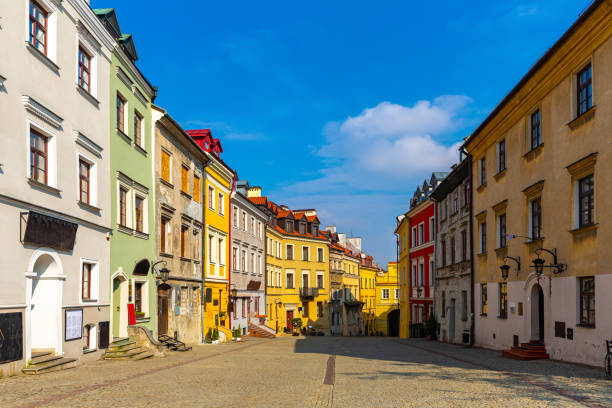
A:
[306, 292]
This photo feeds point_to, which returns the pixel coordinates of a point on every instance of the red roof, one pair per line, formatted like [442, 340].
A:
[259, 200]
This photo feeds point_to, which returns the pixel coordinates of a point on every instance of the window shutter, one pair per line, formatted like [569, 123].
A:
[165, 166]
[196, 189]
[184, 179]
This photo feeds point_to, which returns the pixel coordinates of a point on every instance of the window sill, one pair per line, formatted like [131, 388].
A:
[501, 250]
[503, 317]
[42, 186]
[143, 319]
[88, 207]
[534, 241]
[166, 183]
[182, 258]
[584, 230]
[582, 119]
[140, 234]
[482, 254]
[42, 57]
[533, 152]
[87, 95]
[166, 255]
[140, 149]
[124, 136]
[586, 326]
[186, 195]
[500, 174]
[125, 230]
[481, 187]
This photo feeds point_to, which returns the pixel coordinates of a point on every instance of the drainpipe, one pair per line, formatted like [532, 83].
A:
[229, 258]
[468, 157]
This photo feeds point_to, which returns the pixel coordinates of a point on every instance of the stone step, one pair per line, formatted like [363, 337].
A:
[62, 363]
[121, 346]
[518, 354]
[41, 353]
[113, 355]
[44, 358]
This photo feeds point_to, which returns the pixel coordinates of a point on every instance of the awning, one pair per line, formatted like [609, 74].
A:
[46, 231]
[253, 285]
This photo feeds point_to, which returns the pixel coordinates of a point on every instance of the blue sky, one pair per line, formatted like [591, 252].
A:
[340, 106]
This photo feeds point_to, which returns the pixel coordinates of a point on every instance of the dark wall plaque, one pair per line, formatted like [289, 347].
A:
[560, 329]
[11, 337]
[103, 333]
[47, 231]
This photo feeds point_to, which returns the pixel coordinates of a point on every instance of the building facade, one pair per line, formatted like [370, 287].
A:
[218, 185]
[453, 277]
[179, 221]
[248, 261]
[297, 269]
[54, 181]
[402, 232]
[541, 189]
[131, 186]
[367, 293]
[387, 301]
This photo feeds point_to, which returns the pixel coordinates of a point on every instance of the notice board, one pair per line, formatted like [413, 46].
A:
[74, 324]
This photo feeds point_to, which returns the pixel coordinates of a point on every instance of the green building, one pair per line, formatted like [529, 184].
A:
[132, 239]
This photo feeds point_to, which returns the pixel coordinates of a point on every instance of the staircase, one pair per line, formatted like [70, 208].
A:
[173, 344]
[44, 361]
[258, 331]
[125, 348]
[534, 350]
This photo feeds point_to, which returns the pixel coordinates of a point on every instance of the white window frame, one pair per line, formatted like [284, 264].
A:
[221, 203]
[323, 253]
[51, 28]
[481, 238]
[292, 252]
[287, 273]
[396, 293]
[421, 233]
[129, 202]
[51, 151]
[385, 294]
[81, 42]
[235, 216]
[93, 178]
[145, 294]
[211, 198]
[481, 180]
[421, 272]
[145, 210]
[414, 237]
[432, 228]
[497, 154]
[307, 247]
[94, 281]
[415, 275]
[307, 273]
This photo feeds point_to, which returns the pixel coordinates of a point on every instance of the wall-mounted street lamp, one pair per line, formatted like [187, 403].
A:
[539, 263]
[163, 273]
[234, 293]
[505, 268]
[419, 291]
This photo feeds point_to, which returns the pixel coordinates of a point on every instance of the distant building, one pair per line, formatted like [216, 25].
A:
[387, 301]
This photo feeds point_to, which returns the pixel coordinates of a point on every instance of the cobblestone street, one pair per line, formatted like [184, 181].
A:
[316, 372]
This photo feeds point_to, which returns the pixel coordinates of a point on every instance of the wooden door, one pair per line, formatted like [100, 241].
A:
[162, 311]
[290, 319]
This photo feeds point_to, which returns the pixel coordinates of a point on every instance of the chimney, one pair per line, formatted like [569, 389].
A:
[254, 191]
[331, 228]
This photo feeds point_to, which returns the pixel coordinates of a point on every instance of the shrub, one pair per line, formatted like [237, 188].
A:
[215, 334]
[431, 327]
[208, 337]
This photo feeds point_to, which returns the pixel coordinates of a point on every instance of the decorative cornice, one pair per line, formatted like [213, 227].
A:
[139, 95]
[90, 20]
[87, 143]
[534, 189]
[586, 163]
[501, 206]
[42, 112]
[123, 77]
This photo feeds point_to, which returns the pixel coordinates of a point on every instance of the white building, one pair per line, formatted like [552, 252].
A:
[54, 180]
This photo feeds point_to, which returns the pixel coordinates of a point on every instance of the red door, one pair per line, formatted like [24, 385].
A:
[290, 319]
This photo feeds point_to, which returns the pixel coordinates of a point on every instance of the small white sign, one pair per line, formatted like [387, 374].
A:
[74, 324]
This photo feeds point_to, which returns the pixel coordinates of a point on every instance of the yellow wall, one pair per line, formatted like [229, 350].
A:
[279, 298]
[217, 222]
[403, 233]
[386, 280]
[367, 294]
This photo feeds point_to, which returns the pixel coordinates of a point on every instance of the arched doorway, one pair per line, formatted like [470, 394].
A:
[393, 323]
[537, 313]
[45, 303]
[119, 308]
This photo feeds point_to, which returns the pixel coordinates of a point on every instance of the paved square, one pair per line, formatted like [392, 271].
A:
[316, 372]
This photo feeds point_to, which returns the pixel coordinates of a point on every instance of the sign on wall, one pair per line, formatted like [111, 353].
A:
[11, 337]
[74, 324]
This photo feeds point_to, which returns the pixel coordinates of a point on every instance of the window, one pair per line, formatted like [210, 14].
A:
[84, 70]
[123, 206]
[443, 248]
[536, 218]
[421, 233]
[221, 249]
[443, 311]
[253, 226]
[414, 275]
[452, 243]
[196, 188]
[252, 263]
[259, 265]
[138, 212]
[503, 299]
[385, 293]
[138, 298]
[304, 309]
[483, 237]
[464, 305]
[38, 27]
[86, 337]
[455, 202]
[482, 172]
[235, 258]
[315, 230]
[235, 217]
[422, 274]
[163, 235]
[185, 179]
[211, 250]
[289, 226]
[305, 253]
[467, 193]
[501, 226]
[414, 237]
[137, 129]
[221, 203]
[244, 221]
[211, 198]
[121, 113]
[290, 280]
[501, 155]
[587, 301]
[38, 157]
[586, 201]
[302, 228]
[397, 293]
[305, 280]
[535, 129]
[165, 166]
[432, 229]
[184, 241]
[320, 255]
[243, 260]
[464, 245]
[319, 309]
[483, 299]
[585, 90]
[86, 281]
[289, 252]
[84, 193]
[320, 283]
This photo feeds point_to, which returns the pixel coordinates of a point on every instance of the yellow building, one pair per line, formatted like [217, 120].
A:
[402, 232]
[387, 301]
[367, 293]
[297, 267]
[218, 183]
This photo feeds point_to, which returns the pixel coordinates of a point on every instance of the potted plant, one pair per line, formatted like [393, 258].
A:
[431, 327]
[140, 315]
[215, 336]
[297, 325]
[208, 338]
